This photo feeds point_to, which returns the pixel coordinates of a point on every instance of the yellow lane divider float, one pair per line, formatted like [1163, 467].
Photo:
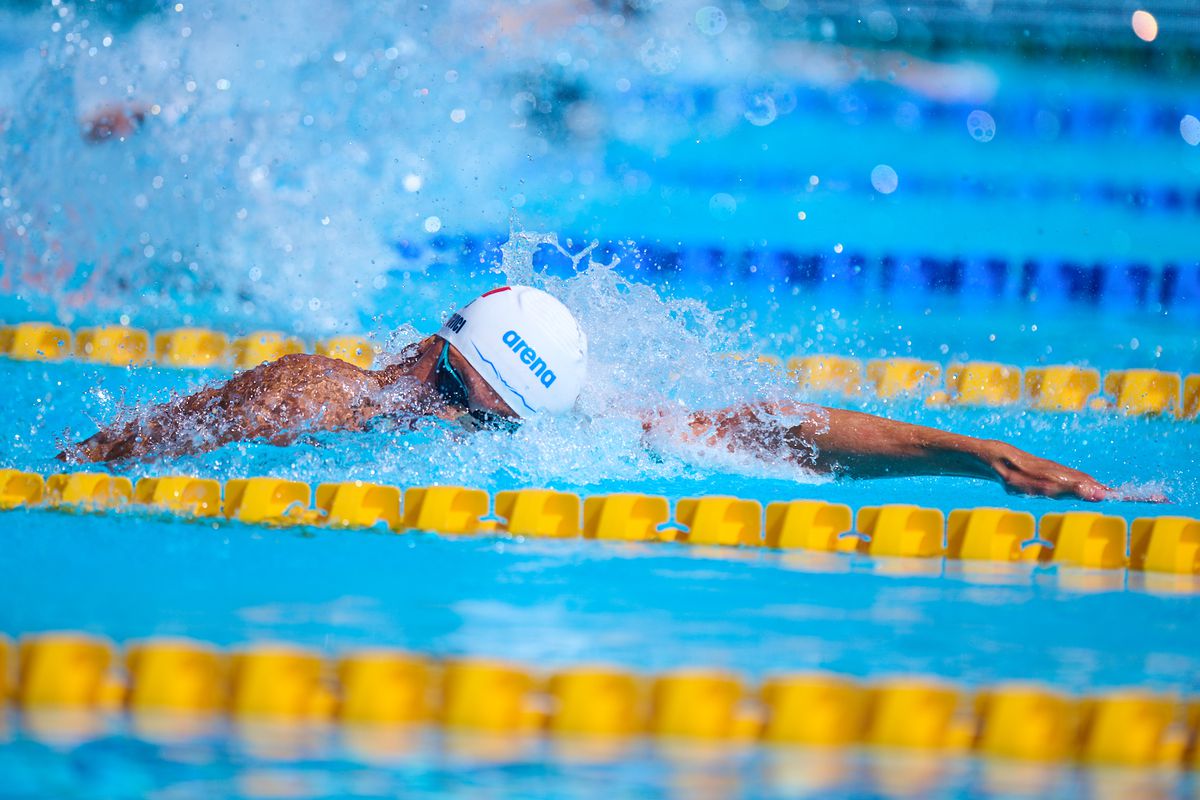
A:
[976, 383]
[1087, 539]
[35, 341]
[285, 684]
[987, 384]
[121, 346]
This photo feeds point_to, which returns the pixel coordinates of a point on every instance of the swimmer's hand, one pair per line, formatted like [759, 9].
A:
[1022, 473]
[103, 446]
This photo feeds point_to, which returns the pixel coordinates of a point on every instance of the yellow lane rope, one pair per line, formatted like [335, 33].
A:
[1164, 551]
[179, 681]
[976, 383]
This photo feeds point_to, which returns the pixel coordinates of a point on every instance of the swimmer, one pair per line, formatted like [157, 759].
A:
[115, 121]
[516, 352]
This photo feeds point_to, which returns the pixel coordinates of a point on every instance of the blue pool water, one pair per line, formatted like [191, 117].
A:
[360, 176]
[555, 604]
[269, 763]
[651, 608]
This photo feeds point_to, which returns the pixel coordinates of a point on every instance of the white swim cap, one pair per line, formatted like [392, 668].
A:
[525, 344]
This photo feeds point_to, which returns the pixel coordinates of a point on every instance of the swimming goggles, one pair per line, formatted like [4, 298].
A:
[453, 390]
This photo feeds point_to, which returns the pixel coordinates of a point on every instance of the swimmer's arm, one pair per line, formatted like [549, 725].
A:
[860, 445]
[276, 402]
[856, 445]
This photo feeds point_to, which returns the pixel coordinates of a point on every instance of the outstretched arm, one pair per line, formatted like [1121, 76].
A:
[865, 446]
[857, 445]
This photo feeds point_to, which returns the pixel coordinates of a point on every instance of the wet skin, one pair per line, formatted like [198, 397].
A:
[856, 445]
[284, 399]
[298, 394]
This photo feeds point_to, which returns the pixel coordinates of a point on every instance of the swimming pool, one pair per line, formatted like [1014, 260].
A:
[697, 183]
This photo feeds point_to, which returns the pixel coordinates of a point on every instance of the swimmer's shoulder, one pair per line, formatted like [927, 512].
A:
[306, 370]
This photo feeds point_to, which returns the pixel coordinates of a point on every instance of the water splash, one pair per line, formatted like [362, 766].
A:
[645, 348]
[651, 358]
[274, 163]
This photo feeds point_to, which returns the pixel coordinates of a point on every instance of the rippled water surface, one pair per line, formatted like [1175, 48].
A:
[693, 181]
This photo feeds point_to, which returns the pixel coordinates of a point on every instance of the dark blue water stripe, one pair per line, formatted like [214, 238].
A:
[1132, 284]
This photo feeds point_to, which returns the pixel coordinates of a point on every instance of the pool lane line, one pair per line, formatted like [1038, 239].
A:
[124, 346]
[986, 384]
[166, 685]
[1055, 388]
[1042, 282]
[1047, 283]
[1093, 551]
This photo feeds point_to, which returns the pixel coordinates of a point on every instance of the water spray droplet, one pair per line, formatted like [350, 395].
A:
[1189, 129]
[722, 206]
[760, 110]
[884, 179]
[659, 57]
[1145, 26]
[711, 20]
[981, 126]
[882, 25]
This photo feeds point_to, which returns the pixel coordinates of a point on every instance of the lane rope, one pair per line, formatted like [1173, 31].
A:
[178, 680]
[1056, 388]
[1099, 551]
